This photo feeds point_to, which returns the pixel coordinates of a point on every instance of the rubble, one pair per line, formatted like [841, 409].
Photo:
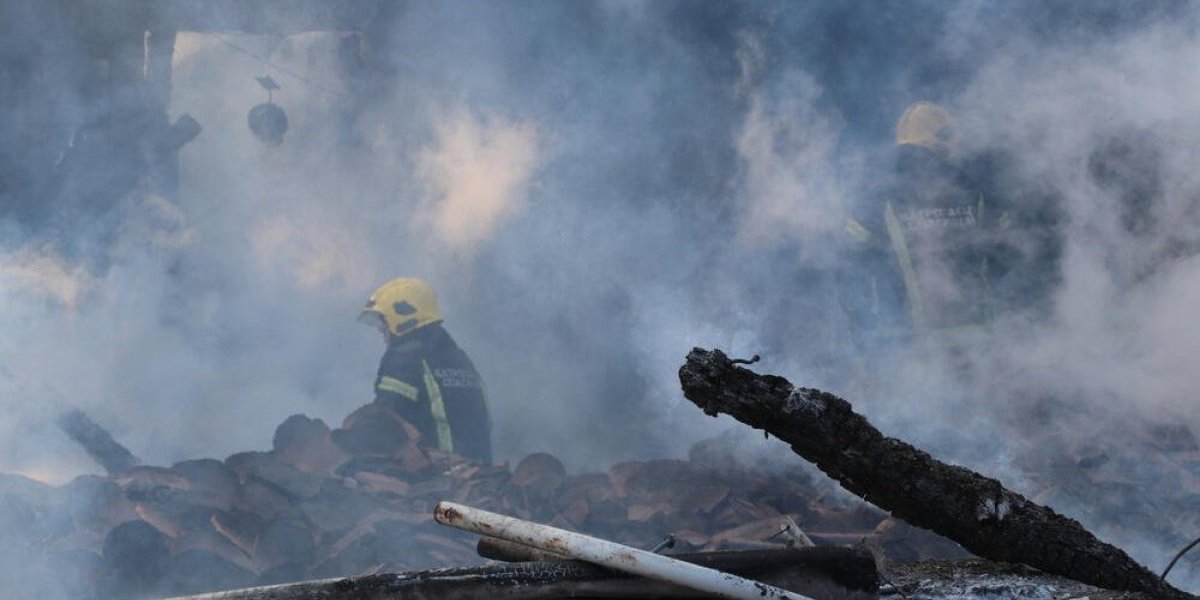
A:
[358, 499]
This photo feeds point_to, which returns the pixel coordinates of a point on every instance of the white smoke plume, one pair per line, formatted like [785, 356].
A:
[478, 172]
[786, 144]
[41, 275]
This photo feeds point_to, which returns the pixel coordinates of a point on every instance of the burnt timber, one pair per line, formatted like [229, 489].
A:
[97, 442]
[975, 511]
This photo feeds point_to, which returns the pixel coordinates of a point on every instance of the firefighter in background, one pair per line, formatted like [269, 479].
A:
[424, 376]
[925, 251]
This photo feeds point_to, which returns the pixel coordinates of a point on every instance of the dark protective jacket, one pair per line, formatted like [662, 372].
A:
[932, 259]
[430, 382]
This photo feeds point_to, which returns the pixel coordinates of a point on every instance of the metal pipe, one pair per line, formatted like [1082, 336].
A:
[504, 550]
[607, 554]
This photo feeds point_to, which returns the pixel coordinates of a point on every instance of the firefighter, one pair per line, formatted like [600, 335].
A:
[925, 251]
[424, 376]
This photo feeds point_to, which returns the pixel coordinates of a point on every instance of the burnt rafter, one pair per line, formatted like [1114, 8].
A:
[975, 511]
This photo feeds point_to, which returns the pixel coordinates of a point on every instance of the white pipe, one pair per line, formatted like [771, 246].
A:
[608, 554]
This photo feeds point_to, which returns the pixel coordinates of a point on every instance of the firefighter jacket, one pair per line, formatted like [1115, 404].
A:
[430, 382]
[924, 257]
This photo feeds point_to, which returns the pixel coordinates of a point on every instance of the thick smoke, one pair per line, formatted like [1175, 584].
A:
[478, 175]
[594, 188]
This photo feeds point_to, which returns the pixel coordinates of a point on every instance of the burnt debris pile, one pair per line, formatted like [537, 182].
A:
[351, 511]
[359, 500]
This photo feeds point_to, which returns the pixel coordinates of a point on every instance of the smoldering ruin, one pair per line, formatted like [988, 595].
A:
[973, 225]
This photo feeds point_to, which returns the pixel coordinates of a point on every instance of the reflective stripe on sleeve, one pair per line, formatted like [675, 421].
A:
[437, 407]
[395, 386]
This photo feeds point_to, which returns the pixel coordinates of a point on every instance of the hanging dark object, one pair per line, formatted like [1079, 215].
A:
[267, 121]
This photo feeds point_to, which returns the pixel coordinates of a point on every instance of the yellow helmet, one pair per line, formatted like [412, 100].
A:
[929, 125]
[402, 306]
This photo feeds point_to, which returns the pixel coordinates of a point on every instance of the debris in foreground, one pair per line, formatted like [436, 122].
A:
[976, 511]
[608, 554]
[826, 573]
[978, 579]
[973, 579]
[358, 500]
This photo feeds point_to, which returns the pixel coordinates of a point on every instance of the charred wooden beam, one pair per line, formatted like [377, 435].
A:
[975, 511]
[97, 441]
[823, 573]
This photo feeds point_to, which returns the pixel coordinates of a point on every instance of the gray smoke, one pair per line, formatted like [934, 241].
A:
[594, 188]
